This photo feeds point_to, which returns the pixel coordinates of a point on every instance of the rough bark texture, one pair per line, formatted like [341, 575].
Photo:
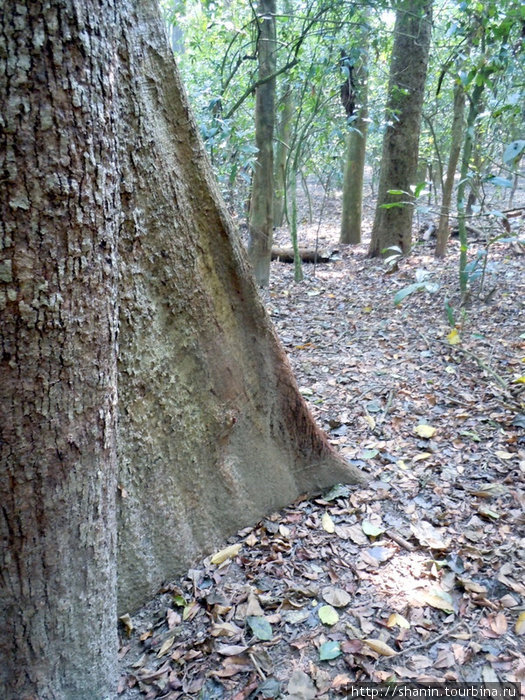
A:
[261, 203]
[453, 159]
[213, 432]
[408, 69]
[58, 225]
[355, 160]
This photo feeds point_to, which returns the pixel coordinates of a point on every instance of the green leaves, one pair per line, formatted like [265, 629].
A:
[260, 627]
[422, 284]
[514, 151]
[329, 650]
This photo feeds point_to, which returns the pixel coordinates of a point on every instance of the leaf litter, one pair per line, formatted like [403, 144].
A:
[419, 576]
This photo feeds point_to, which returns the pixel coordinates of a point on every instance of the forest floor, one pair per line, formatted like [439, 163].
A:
[420, 576]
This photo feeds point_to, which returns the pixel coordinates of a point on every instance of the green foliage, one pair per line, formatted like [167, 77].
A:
[476, 44]
[422, 284]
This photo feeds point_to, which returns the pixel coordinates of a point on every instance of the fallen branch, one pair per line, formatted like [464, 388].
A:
[400, 540]
[286, 255]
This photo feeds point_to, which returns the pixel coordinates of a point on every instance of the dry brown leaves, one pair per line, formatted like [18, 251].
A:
[420, 576]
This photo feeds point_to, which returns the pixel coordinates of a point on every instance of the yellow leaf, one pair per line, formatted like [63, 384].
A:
[520, 624]
[328, 615]
[399, 620]
[425, 431]
[371, 422]
[422, 455]
[380, 647]
[328, 523]
[453, 337]
[519, 380]
[441, 601]
[166, 646]
[226, 553]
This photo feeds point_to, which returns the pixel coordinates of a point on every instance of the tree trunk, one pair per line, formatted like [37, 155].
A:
[352, 213]
[474, 110]
[60, 218]
[393, 224]
[108, 204]
[261, 204]
[455, 150]
[281, 156]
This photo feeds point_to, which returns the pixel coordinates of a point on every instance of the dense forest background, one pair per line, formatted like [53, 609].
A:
[339, 93]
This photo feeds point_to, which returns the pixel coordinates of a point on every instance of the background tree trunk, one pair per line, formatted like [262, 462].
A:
[352, 203]
[281, 155]
[408, 68]
[59, 194]
[261, 204]
[455, 150]
[464, 180]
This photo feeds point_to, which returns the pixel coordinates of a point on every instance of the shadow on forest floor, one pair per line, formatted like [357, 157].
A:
[418, 577]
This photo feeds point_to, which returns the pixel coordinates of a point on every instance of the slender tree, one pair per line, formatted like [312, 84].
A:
[355, 155]
[281, 154]
[408, 68]
[261, 203]
[456, 139]
[111, 225]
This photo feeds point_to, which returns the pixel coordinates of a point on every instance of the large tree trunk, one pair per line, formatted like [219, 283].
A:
[261, 203]
[393, 224]
[59, 194]
[213, 432]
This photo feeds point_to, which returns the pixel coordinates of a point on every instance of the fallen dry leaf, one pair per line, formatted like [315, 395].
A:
[226, 553]
[380, 647]
[327, 523]
[520, 624]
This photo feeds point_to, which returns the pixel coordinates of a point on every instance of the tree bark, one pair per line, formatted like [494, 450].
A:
[261, 204]
[281, 156]
[462, 204]
[352, 213]
[207, 400]
[60, 217]
[453, 159]
[108, 205]
[393, 225]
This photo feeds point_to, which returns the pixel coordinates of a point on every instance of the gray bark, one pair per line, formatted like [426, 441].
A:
[261, 203]
[408, 69]
[108, 205]
[208, 402]
[281, 156]
[355, 159]
[456, 138]
[59, 222]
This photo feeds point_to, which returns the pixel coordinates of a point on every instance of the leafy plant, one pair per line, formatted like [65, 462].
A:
[422, 284]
